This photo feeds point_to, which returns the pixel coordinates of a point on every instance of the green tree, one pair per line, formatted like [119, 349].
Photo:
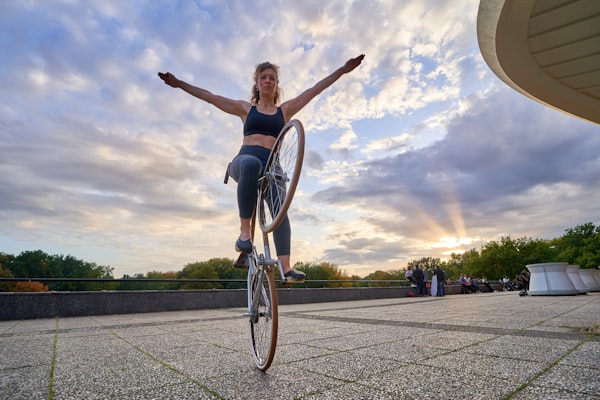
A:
[455, 265]
[590, 258]
[498, 259]
[390, 275]
[37, 264]
[132, 282]
[5, 273]
[200, 270]
[355, 281]
[427, 263]
[225, 270]
[162, 285]
[323, 271]
[579, 245]
[32, 264]
[535, 251]
[70, 267]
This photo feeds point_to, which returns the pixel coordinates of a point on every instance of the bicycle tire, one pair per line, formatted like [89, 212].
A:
[278, 183]
[263, 329]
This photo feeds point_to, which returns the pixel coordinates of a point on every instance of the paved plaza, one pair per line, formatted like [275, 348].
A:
[477, 346]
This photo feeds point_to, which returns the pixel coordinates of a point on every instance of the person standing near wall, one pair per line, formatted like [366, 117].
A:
[441, 278]
[419, 277]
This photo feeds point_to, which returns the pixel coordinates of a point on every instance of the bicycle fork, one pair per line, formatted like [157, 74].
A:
[256, 265]
[256, 290]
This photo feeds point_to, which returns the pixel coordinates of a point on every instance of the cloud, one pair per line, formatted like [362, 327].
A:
[507, 166]
[418, 152]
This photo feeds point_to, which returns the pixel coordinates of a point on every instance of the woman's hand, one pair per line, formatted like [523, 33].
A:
[169, 79]
[352, 63]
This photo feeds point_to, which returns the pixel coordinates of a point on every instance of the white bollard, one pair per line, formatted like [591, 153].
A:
[588, 276]
[573, 272]
[550, 279]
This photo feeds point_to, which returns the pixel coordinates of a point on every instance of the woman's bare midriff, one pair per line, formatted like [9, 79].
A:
[259, 140]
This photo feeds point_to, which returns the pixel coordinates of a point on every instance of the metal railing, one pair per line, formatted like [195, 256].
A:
[182, 284]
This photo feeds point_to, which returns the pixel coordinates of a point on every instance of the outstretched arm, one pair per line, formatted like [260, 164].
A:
[291, 107]
[234, 107]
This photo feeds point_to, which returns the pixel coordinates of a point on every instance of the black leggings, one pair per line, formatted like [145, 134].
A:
[246, 168]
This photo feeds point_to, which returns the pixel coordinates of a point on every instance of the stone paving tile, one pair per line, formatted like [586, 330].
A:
[25, 382]
[112, 379]
[178, 348]
[524, 348]
[398, 351]
[413, 381]
[288, 353]
[347, 366]
[586, 355]
[534, 392]
[180, 391]
[477, 364]
[353, 391]
[445, 340]
[200, 368]
[345, 342]
[283, 382]
[570, 378]
[24, 351]
[28, 326]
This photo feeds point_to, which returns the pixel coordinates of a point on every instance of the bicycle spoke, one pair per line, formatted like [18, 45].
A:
[263, 327]
[281, 177]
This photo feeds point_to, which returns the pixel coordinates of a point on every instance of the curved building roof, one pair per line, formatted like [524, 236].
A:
[549, 50]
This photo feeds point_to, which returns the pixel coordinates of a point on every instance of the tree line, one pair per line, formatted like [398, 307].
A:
[507, 257]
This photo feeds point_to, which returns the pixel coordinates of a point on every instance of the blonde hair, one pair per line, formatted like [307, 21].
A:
[259, 69]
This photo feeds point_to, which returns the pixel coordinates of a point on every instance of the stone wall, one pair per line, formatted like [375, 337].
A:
[15, 306]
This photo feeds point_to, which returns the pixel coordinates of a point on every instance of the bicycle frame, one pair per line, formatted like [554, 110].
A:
[256, 263]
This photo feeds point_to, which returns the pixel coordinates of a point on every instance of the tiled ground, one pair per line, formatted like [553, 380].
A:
[485, 346]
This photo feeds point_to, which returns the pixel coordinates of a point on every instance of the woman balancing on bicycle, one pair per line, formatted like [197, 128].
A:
[263, 119]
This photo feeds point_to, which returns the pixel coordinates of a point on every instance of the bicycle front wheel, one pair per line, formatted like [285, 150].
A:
[281, 176]
[264, 321]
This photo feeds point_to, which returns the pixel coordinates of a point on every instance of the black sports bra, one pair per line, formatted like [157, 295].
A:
[263, 124]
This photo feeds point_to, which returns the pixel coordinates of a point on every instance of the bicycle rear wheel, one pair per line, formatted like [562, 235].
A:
[264, 324]
[281, 176]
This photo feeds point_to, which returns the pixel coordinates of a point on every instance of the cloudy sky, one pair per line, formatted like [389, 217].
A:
[421, 151]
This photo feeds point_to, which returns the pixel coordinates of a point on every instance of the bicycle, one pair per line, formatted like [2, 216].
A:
[276, 190]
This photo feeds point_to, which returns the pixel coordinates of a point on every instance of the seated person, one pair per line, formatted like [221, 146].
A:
[465, 284]
[507, 284]
[485, 283]
[409, 276]
[474, 285]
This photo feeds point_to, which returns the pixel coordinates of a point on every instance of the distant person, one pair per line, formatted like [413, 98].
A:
[465, 285]
[474, 284]
[517, 283]
[525, 280]
[441, 279]
[485, 283]
[420, 281]
[507, 284]
[409, 276]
